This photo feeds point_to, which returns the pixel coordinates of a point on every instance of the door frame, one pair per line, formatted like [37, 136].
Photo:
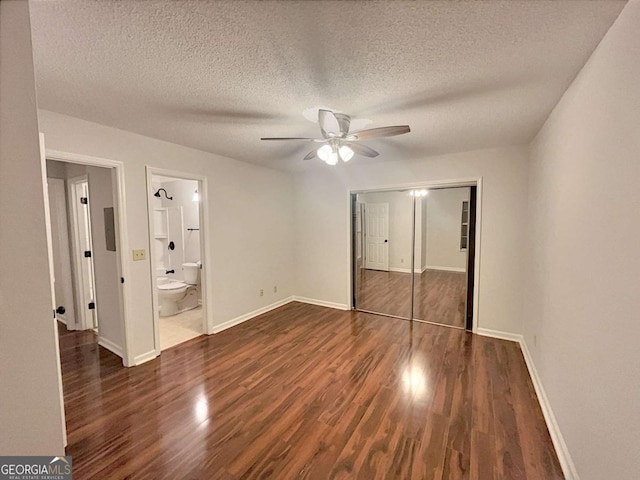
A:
[205, 247]
[427, 184]
[121, 233]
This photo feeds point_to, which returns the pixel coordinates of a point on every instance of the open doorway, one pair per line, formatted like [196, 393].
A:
[87, 274]
[177, 236]
[413, 253]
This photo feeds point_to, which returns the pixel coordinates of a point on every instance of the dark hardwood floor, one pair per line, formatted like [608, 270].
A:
[439, 295]
[308, 392]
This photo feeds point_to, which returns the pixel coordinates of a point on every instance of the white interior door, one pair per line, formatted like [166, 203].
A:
[81, 226]
[377, 236]
[47, 221]
[61, 253]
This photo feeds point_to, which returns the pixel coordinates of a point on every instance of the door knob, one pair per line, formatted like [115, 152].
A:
[60, 310]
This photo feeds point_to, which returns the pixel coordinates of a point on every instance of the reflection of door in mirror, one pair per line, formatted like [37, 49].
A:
[382, 256]
[377, 236]
[440, 284]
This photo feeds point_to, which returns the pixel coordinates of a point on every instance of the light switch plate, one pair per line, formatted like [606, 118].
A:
[139, 255]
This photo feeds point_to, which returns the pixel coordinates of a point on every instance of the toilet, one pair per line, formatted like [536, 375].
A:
[175, 296]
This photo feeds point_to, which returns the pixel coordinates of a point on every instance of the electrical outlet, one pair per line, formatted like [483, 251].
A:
[139, 255]
[261, 292]
[275, 289]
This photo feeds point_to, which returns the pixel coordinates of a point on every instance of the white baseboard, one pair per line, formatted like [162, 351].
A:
[486, 332]
[145, 357]
[109, 345]
[61, 318]
[404, 270]
[321, 303]
[400, 270]
[446, 269]
[248, 316]
[566, 462]
[568, 467]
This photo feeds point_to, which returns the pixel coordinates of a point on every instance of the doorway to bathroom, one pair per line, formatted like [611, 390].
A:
[176, 203]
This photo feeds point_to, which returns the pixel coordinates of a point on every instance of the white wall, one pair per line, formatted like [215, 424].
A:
[250, 214]
[444, 216]
[583, 303]
[30, 396]
[322, 223]
[56, 170]
[105, 262]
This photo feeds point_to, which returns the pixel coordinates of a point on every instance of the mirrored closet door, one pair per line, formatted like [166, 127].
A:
[412, 252]
[440, 284]
[383, 252]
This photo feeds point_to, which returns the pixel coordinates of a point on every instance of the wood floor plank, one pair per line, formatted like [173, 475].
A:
[308, 392]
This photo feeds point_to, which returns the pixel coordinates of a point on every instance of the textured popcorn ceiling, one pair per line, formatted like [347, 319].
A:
[219, 75]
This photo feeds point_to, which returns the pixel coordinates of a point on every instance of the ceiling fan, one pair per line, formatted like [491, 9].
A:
[338, 142]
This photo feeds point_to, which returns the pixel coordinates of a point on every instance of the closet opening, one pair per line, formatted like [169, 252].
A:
[414, 253]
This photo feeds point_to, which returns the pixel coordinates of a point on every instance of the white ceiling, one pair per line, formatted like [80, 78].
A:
[219, 75]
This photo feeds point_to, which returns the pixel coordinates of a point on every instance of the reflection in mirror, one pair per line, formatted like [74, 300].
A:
[382, 252]
[442, 227]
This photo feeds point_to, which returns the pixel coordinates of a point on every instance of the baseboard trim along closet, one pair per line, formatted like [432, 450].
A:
[446, 269]
[109, 345]
[403, 270]
[486, 332]
[566, 462]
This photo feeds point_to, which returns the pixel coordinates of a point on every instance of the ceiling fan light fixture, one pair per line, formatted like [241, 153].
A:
[332, 159]
[324, 152]
[345, 153]
[339, 143]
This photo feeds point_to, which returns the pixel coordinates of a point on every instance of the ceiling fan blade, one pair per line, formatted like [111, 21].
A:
[333, 124]
[344, 121]
[362, 149]
[311, 155]
[379, 132]
[293, 138]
